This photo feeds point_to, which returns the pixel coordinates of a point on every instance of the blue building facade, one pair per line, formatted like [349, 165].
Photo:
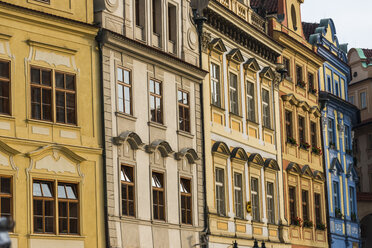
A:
[338, 118]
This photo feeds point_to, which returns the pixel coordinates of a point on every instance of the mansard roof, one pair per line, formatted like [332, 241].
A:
[221, 147]
[271, 6]
[239, 153]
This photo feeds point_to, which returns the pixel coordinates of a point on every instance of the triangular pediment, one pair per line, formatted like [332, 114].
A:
[315, 111]
[291, 99]
[294, 167]
[303, 105]
[235, 55]
[319, 175]
[252, 65]
[351, 173]
[267, 73]
[217, 45]
[306, 171]
[336, 166]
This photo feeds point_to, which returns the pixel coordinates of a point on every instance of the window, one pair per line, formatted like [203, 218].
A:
[251, 102]
[186, 201]
[310, 78]
[44, 207]
[140, 16]
[42, 88]
[313, 134]
[124, 91]
[158, 199]
[287, 66]
[301, 129]
[336, 200]
[337, 93]
[318, 213]
[305, 204]
[68, 208]
[6, 197]
[292, 204]
[329, 84]
[363, 100]
[184, 111]
[255, 199]
[156, 17]
[294, 18]
[351, 99]
[172, 23]
[156, 102]
[238, 193]
[288, 124]
[331, 132]
[4, 87]
[234, 103]
[220, 191]
[215, 85]
[266, 108]
[347, 139]
[127, 191]
[270, 203]
[352, 200]
[298, 74]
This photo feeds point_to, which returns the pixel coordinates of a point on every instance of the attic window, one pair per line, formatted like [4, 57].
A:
[294, 18]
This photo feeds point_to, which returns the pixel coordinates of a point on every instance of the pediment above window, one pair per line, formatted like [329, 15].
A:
[188, 153]
[319, 175]
[252, 65]
[239, 154]
[267, 73]
[336, 166]
[131, 137]
[256, 159]
[294, 168]
[6, 156]
[217, 45]
[315, 111]
[271, 164]
[291, 99]
[235, 55]
[351, 173]
[221, 148]
[306, 171]
[161, 145]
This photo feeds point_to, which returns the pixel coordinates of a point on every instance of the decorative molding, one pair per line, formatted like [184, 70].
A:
[188, 153]
[217, 45]
[221, 147]
[235, 55]
[256, 158]
[131, 137]
[206, 39]
[162, 145]
[252, 65]
[239, 153]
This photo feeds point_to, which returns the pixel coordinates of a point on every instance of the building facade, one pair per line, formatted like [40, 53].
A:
[360, 92]
[242, 131]
[303, 173]
[338, 119]
[50, 129]
[152, 120]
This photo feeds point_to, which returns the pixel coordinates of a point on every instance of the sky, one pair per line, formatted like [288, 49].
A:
[352, 18]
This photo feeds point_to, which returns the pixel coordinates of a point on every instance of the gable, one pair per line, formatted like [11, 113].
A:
[217, 45]
[252, 65]
[336, 166]
[267, 73]
[235, 55]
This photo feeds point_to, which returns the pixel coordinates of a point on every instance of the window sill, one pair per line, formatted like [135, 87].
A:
[268, 128]
[185, 134]
[53, 124]
[125, 116]
[235, 115]
[59, 236]
[157, 125]
[217, 107]
[6, 116]
[252, 122]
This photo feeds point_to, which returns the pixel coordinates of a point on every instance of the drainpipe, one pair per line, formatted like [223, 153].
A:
[199, 21]
[100, 45]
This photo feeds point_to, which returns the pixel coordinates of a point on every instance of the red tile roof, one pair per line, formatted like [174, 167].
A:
[271, 6]
[309, 29]
[367, 53]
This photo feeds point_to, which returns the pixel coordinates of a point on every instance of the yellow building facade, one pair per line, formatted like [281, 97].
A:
[50, 132]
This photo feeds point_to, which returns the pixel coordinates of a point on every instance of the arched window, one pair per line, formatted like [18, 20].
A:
[294, 18]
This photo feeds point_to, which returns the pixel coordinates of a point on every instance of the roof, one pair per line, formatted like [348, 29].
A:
[271, 6]
[367, 53]
[309, 29]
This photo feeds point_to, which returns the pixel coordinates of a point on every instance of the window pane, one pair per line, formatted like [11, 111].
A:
[38, 207]
[63, 228]
[74, 226]
[49, 208]
[152, 87]
[73, 210]
[35, 94]
[120, 74]
[70, 192]
[59, 80]
[62, 209]
[36, 189]
[5, 207]
[61, 192]
[4, 69]
[5, 185]
[70, 82]
[46, 190]
[126, 77]
[49, 224]
[157, 88]
[38, 224]
[47, 77]
[35, 76]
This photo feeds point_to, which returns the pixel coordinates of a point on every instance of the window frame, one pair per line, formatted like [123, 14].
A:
[305, 204]
[317, 208]
[220, 203]
[66, 91]
[292, 203]
[124, 85]
[287, 66]
[331, 131]
[270, 198]
[9, 82]
[128, 184]
[158, 205]
[301, 129]
[160, 96]
[234, 92]
[58, 199]
[336, 195]
[238, 191]
[256, 213]
[266, 117]
[184, 106]
[216, 99]
[9, 195]
[363, 106]
[251, 100]
[352, 200]
[186, 196]
[311, 82]
[313, 134]
[288, 123]
[299, 76]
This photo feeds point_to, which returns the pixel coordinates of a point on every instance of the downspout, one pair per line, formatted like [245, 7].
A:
[199, 21]
[100, 45]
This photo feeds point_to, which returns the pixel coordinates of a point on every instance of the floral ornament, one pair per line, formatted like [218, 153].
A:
[316, 150]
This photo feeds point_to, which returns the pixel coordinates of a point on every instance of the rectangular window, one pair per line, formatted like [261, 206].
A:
[351, 99]
[313, 134]
[329, 84]
[156, 17]
[292, 204]
[299, 74]
[172, 23]
[305, 204]
[266, 108]
[310, 78]
[183, 110]
[255, 199]
[318, 213]
[287, 66]
[238, 193]
[140, 16]
[331, 132]
[363, 100]
[43, 207]
[156, 102]
[215, 85]
[288, 124]
[220, 191]
[347, 139]
[41, 94]
[127, 191]
[251, 108]
[158, 196]
[186, 201]
[352, 201]
[6, 197]
[68, 208]
[336, 200]
[124, 82]
[337, 89]
[234, 102]
[270, 203]
[42, 88]
[4, 87]
[301, 129]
